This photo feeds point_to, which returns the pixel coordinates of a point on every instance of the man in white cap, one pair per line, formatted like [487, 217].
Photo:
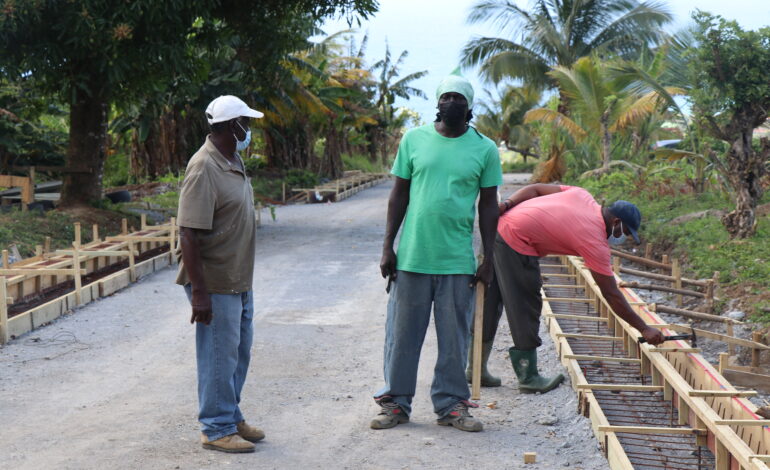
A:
[440, 170]
[217, 240]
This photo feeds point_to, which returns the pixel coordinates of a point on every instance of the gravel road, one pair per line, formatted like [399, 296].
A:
[113, 384]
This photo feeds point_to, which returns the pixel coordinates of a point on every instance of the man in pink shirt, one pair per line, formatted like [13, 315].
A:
[545, 219]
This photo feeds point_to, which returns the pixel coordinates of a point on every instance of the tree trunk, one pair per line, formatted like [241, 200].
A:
[331, 163]
[745, 169]
[164, 149]
[606, 142]
[86, 150]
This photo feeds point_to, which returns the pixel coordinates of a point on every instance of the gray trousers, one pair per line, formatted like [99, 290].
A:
[516, 286]
[412, 298]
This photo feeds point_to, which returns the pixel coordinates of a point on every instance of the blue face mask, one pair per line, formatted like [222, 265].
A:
[613, 240]
[241, 145]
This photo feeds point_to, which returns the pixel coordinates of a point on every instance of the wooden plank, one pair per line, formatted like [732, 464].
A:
[567, 299]
[582, 357]
[563, 286]
[565, 316]
[111, 284]
[76, 271]
[649, 430]
[582, 336]
[478, 326]
[672, 290]
[742, 422]
[85, 254]
[747, 379]
[620, 387]
[665, 350]
[640, 260]
[663, 277]
[137, 238]
[695, 315]
[38, 272]
[722, 393]
[715, 336]
[4, 334]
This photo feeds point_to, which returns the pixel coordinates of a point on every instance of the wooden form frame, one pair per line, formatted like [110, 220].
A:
[721, 416]
[47, 269]
[344, 187]
[26, 183]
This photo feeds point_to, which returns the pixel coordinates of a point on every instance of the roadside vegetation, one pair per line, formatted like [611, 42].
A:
[602, 94]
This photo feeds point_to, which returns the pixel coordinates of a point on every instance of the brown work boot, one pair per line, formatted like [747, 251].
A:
[250, 433]
[461, 419]
[233, 444]
[391, 414]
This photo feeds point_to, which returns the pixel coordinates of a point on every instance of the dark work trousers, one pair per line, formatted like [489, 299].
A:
[516, 285]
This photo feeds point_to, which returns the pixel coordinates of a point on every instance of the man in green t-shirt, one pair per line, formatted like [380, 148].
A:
[440, 170]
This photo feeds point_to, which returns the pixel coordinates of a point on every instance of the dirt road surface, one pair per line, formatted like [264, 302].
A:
[113, 385]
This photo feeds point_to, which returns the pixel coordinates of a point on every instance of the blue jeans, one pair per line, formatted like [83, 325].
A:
[223, 350]
[411, 297]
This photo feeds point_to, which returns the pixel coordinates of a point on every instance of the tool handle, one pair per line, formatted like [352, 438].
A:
[667, 338]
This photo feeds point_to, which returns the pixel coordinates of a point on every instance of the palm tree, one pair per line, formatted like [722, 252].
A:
[556, 33]
[502, 119]
[387, 88]
[601, 106]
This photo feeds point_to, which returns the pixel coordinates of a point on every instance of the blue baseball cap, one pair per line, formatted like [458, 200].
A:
[629, 214]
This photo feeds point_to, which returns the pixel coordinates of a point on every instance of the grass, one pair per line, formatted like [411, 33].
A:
[702, 243]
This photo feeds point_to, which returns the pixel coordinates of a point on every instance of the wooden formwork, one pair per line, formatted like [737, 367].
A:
[708, 406]
[32, 276]
[344, 187]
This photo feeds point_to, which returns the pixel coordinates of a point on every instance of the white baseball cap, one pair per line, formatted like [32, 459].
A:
[228, 107]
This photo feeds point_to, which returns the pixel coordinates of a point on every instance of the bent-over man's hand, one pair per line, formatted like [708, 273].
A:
[388, 263]
[652, 335]
[484, 273]
[201, 308]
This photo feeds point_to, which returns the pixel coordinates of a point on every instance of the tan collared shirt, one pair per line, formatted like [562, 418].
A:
[218, 200]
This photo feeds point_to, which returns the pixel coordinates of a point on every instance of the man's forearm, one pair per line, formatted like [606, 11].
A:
[192, 258]
[621, 307]
[488, 215]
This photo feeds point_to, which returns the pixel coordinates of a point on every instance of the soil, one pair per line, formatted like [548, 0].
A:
[109, 221]
[113, 384]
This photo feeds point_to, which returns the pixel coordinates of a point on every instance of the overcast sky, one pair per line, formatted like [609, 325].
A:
[434, 32]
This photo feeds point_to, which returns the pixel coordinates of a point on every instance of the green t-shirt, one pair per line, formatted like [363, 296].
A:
[446, 175]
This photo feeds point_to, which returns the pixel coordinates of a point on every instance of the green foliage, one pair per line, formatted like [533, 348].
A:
[168, 200]
[558, 33]
[519, 167]
[253, 164]
[117, 170]
[703, 241]
[298, 178]
[362, 163]
[30, 228]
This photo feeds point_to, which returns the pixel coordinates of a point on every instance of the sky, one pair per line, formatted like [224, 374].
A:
[435, 31]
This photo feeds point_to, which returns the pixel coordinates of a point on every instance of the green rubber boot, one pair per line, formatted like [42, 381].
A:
[487, 379]
[530, 381]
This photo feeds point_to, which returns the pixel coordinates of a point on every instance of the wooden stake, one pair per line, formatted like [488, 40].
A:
[131, 269]
[39, 250]
[172, 231]
[616, 265]
[124, 227]
[77, 233]
[731, 333]
[478, 331]
[76, 271]
[4, 336]
[47, 245]
[283, 192]
[95, 233]
[5, 259]
[676, 273]
[143, 220]
[756, 336]
[530, 457]
[648, 251]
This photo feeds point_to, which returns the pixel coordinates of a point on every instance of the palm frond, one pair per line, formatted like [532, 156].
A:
[558, 120]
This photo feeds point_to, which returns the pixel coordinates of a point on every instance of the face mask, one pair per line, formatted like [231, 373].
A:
[613, 240]
[453, 113]
[241, 145]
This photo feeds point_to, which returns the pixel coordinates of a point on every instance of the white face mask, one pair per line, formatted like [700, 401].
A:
[241, 145]
[613, 240]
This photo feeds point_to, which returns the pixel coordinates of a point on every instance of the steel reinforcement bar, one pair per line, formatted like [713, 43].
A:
[651, 407]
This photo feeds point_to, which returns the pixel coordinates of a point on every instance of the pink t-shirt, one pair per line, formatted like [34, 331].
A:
[565, 223]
